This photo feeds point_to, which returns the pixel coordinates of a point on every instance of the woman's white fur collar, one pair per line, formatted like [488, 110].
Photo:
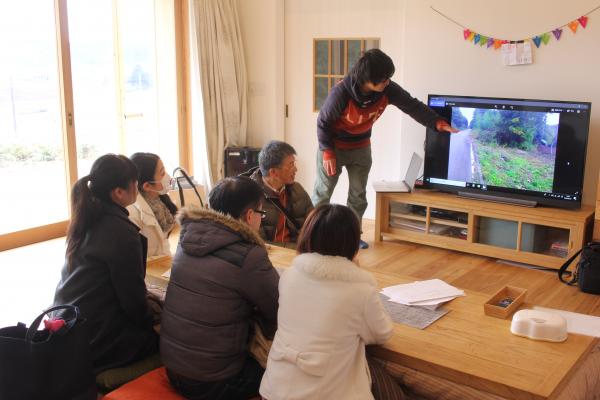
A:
[331, 268]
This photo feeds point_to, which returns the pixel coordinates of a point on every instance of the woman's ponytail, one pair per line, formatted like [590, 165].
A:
[85, 211]
[90, 192]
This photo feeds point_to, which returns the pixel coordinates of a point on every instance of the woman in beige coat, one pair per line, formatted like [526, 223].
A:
[153, 211]
[329, 309]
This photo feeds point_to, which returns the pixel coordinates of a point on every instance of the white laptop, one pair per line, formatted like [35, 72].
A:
[408, 184]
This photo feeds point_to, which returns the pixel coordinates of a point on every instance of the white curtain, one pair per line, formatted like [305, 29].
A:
[218, 65]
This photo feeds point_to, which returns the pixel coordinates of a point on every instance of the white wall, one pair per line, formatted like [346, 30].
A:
[437, 59]
[310, 19]
[261, 22]
[430, 57]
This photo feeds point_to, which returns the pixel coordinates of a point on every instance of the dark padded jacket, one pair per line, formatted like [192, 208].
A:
[106, 281]
[298, 207]
[221, 278]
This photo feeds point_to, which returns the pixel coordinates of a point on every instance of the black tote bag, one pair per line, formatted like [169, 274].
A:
[47, 365]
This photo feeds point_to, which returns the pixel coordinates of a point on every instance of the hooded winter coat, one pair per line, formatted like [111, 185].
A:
[221, 278]
[329, 310]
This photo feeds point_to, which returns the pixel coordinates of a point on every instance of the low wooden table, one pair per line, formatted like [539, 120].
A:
[466, 346]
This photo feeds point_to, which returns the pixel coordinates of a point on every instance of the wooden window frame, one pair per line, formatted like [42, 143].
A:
[331, 77]
[182, 53]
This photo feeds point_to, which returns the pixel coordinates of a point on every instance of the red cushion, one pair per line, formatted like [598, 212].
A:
[152, 385]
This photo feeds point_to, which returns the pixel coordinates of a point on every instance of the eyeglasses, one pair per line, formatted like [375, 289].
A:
[263, 213]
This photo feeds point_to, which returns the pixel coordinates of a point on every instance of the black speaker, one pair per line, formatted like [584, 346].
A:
[240, 159]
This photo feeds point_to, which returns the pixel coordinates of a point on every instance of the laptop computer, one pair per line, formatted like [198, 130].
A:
[408, 184]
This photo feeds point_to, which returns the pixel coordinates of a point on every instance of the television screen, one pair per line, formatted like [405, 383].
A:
[528, 151]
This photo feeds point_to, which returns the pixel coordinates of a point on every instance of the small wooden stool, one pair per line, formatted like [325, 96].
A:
[152, 385]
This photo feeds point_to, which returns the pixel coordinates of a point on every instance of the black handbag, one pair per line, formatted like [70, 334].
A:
[587, 271]
[184, 181]
[47, 365]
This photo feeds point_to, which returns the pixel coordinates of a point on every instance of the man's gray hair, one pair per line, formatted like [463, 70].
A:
[273, 154]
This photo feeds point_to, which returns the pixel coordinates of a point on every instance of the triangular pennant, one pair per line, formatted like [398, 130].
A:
[466, 33]
[483, 40]
[557, 32]
[476, 38]
[497, 44]
[490, 42]
[573, 25]
[471, 36]
[546, 38]
[537, 40]
[583, 20]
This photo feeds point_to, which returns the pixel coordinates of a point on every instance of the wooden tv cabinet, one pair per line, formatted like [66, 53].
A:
[539, 236]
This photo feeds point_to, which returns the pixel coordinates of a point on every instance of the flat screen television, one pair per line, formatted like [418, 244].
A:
[524, 151]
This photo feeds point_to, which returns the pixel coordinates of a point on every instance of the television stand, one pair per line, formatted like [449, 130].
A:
[498, 199]
[540, 236]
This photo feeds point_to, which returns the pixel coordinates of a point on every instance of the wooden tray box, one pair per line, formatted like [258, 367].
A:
[492, 308]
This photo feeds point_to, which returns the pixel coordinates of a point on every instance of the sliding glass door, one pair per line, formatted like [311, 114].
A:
[32, 167]
[79, 79]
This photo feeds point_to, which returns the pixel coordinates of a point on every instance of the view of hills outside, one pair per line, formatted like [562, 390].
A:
[505, 148]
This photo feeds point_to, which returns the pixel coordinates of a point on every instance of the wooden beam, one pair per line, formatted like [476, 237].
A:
[33, 235]
[184, 99]
[66, 94]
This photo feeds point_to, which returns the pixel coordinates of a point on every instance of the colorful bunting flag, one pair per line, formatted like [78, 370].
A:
[573, 25]
[546, 38]
[557, 32]
[488, 42]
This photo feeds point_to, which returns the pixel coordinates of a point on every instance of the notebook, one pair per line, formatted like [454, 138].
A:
[408, 184]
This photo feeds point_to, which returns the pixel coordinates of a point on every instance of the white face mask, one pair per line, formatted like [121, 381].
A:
[166, 184]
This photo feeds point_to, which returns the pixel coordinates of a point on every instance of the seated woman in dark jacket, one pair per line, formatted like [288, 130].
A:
[106, 264]
[221, 278]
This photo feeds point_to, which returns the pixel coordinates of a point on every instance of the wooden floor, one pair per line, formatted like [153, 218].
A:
[29, 275]
[473, 272]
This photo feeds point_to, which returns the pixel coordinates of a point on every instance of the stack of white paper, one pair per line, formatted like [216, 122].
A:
[428, 293]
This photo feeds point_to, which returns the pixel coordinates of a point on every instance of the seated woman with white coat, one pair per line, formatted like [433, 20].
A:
[153, 211]
[329, 309]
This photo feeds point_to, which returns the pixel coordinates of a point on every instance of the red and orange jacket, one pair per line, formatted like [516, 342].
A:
[347, 116]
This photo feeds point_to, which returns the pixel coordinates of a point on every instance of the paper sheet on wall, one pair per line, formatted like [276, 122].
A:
[517, 53]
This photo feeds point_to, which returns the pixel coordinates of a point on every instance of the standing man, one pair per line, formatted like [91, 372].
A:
[345, 121]
[286, 202]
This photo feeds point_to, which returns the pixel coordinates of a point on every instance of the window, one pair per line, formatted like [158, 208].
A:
[121, 104]
[333, 58]
[78, 80]
[32, 166]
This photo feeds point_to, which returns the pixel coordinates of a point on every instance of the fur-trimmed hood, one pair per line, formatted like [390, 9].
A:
[204, 230]
[332, 268]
